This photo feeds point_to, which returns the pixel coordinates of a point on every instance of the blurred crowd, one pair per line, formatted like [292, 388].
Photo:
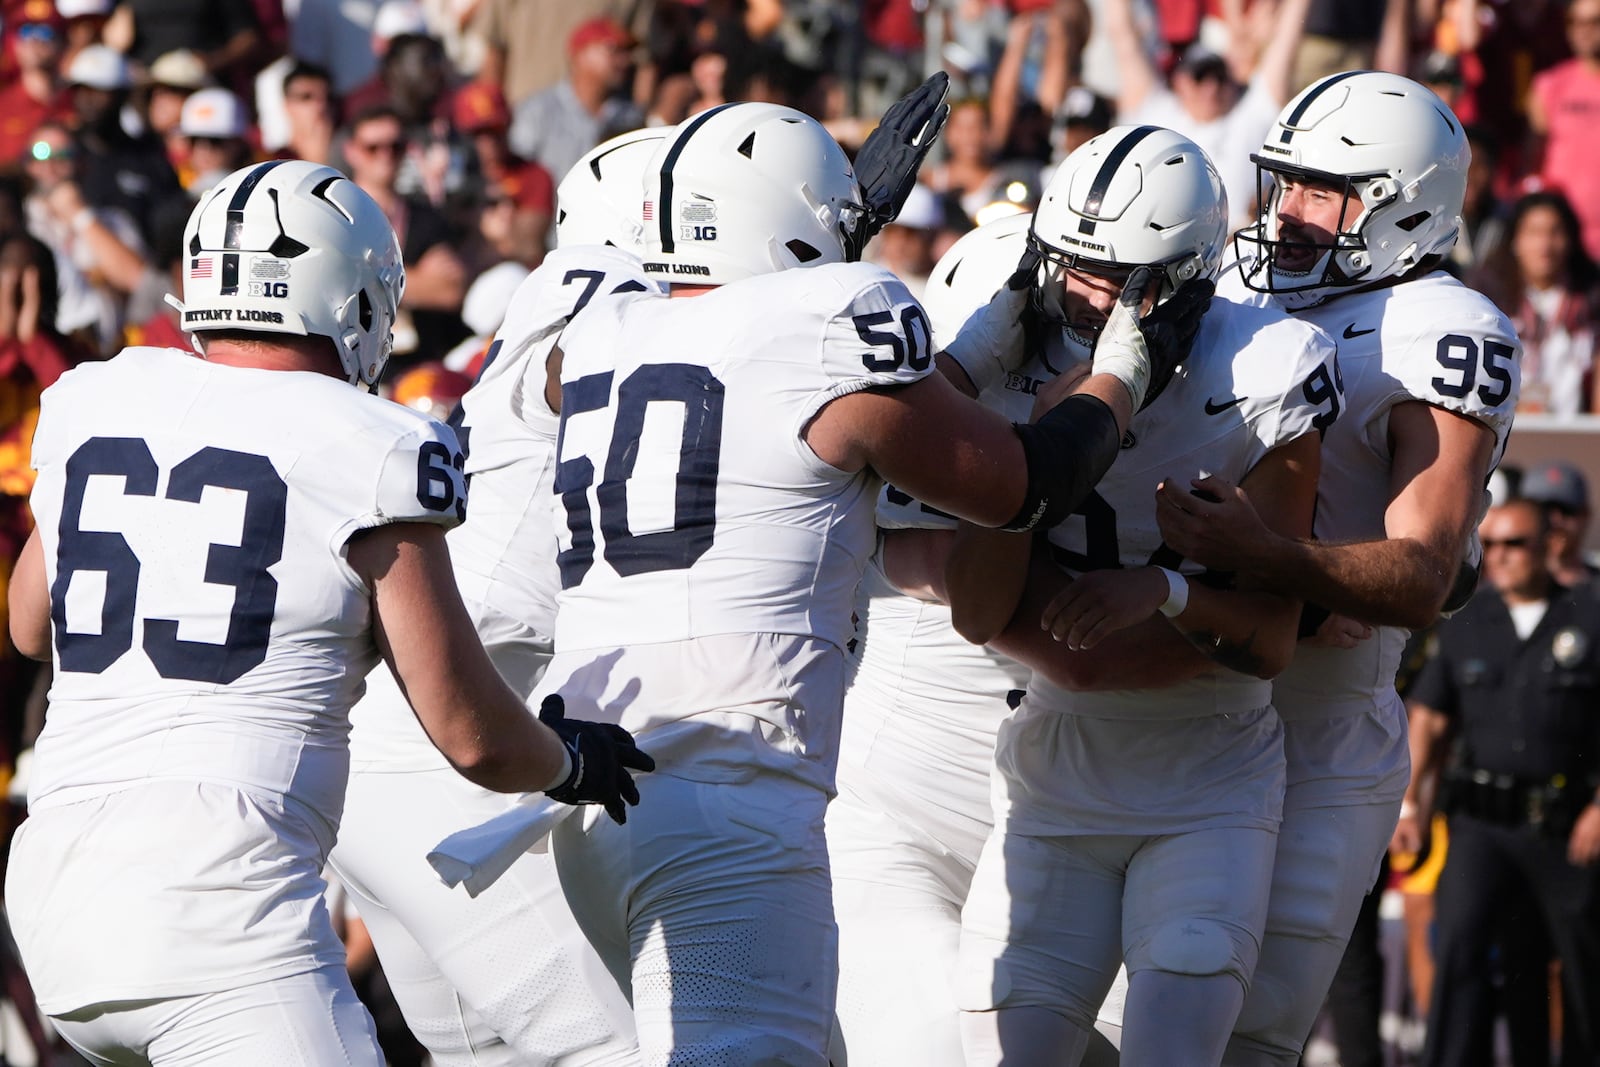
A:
[461, 116]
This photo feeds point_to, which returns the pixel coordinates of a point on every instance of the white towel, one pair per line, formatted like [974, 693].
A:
[477, 856]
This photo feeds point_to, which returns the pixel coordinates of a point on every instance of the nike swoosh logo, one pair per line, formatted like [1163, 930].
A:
[1351, 333]
[1214, 408]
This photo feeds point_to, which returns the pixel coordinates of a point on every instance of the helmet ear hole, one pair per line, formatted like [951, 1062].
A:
[364, 310]
[1411, 222]
[802, 251]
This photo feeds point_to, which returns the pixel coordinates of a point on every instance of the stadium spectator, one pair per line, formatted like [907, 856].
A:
[36, 95]
[906, 245]
[223, 33]
[1561, 490]
[436, 278]
[169, 82]
[310, 113]
[556, 126]
[487, 301]
[518, 197]
[131, 173]
[1202, 100]
[1350, 35]
[1484, 215]
[216, 128]
[1549, 285]
[524, 42]
[84, 24]
[1562, 109]
[98, 249]
[965, 179]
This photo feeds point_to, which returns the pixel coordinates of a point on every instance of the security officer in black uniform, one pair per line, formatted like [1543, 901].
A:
[1517, 681]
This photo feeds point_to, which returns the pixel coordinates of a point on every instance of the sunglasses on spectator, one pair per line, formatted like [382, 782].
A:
[307, 96]
[44, 151]
[393, 148]
[214, 142]
[36, 31]
[1505, 542]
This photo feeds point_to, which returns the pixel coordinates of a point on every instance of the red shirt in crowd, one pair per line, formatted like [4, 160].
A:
[21, 115]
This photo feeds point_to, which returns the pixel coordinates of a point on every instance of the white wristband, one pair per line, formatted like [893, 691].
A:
[1177, 593]
[566, 770]
[1407, 809]
[82, 219]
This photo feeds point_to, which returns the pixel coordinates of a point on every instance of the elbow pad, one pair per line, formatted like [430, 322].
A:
[1068, 451]
[1461, 590]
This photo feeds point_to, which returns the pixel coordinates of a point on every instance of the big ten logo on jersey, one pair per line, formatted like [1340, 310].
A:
[698, 220]
[268, 278]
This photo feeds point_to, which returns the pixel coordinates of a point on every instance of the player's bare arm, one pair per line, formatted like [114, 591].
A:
[1103, 630]
[29, 602]
[1435, 492]
[428, 640]
[955, 455]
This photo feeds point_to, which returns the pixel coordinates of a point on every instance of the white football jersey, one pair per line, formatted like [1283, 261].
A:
[1431, 340]
[924, 703]
[689, 504]
[709, 559]
[504, 554]
[1256, 379]
[194, 518]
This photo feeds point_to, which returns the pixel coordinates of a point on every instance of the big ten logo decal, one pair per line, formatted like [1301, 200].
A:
[698, 221]
[267, 278]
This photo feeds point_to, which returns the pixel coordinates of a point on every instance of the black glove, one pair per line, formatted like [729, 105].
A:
[602, 754]
[887, 164]
[1169, 330]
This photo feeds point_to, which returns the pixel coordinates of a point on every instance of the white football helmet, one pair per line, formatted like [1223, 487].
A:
[597, 203]
[747, 189]
[1385, 138]
[1132, 196]
[288, 246]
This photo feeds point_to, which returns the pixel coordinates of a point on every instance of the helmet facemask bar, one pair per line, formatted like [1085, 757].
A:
[1343, 261]
[1046, 295]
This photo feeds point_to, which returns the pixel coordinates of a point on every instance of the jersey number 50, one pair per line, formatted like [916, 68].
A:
[694, 513]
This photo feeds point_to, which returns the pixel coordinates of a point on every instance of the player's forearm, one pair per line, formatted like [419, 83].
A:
[984, 576]
[29, 602]
[1150, 655]
[1248, 632]
[1398, 582]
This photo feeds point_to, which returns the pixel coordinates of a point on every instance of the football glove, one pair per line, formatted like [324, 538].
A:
[1143, 354]
[993, 341]
[887, 164]
[602, 754]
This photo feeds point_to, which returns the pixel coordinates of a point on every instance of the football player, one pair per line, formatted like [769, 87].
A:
[1367, 175]
[715, 467]
[464, 969]
[923, 703]
[1137, 786]
[212, 583]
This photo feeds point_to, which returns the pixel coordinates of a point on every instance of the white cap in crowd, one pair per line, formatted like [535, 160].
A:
[213, 113]
[98, 67]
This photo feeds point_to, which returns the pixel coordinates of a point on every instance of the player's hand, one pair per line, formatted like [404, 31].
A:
[1339, 631]
[1099, 603]
[887, 164]
[993, 342]
[1144, 353]
[1223, 533]
[1583, 846]
[602, 754]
